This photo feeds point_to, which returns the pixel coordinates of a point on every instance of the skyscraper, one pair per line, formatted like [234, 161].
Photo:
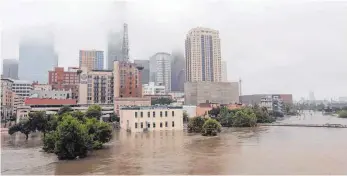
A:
[203, 55]
[160, 70]
[145, 71]
[91, 59]
[177, 71]
[224, 71]
[10, 68]
[118, 47]
[36, 55]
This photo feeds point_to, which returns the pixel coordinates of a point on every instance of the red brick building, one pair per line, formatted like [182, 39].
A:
[64, 80]
[127, 80]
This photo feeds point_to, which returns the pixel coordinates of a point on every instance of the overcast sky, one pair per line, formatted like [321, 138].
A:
[274, 46]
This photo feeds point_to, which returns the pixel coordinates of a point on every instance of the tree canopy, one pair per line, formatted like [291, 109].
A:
[162, 101]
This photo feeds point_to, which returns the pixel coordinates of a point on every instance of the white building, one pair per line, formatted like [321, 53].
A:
[52, 94]
[203, 55]
[224, 71]
[160, 70]
[45, 87]
[152, 89]
[151, 118]
[22, 88]
[190, 110]
[266, 102]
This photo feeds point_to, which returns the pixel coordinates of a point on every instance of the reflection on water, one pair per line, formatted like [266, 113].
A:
[261, 150]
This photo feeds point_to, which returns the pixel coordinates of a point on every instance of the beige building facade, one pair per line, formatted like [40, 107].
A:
[6, 103]
[151, 118]
[203, 55]
[130, 101]
[213, 92]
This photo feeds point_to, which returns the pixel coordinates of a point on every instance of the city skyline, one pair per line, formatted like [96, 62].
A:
[283, 41]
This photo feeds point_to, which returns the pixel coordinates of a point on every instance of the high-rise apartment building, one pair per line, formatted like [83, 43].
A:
[145, 71]
[10, 68]
[64, 80]
[160, 70]
[177, 71]
[224, 71]
[91, 59]
[203, 55]
[96, 87]
[36, 55]
[127, 79]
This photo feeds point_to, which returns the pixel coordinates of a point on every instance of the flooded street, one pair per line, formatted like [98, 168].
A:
[261, 150]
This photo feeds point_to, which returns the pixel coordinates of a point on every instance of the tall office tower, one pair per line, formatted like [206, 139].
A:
[160, 70]
[145, 71]
[177, 71]
[224, 71]
[127, 79]
[203, 55]
[92, 59]
[10, 68]
[117, 47]
[36, 55]
[125, 43]
[114, 49]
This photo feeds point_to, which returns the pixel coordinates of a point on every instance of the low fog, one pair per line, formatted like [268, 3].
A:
[274, 46]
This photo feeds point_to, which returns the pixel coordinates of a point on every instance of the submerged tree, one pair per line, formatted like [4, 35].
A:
[195, 124]
[94, 111]
[211, 127]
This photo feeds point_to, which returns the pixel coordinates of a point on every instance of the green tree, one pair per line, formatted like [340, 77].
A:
[114, 117]
[162, 101]
[195, 124]
[23, 127]
[72, 139]
[244, 118]
[94, 111]
[211, 127]
[79, 115]
[64, 109]
[343, 114]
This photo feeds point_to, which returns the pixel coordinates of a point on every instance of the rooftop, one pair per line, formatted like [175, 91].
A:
[150, 107]
[47, 101]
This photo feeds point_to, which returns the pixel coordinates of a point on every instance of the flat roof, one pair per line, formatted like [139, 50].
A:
[150, 107]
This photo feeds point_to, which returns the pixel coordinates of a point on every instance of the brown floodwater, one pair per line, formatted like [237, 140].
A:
[260, 150]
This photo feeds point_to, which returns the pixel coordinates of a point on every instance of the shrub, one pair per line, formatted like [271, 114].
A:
[211, 127]
[343, 114]
[49, 142]
[195, 124]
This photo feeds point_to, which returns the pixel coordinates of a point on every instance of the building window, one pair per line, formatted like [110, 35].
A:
[153, 124]
[161, 114]
[135, 114]
[148, 125]
[165, 113]
[135, 124]
[173, 113]
[153, 113]
[161, 125]
[165, 124]
[141, 124]
[148, 114]
[173, 124]
[141, 114]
